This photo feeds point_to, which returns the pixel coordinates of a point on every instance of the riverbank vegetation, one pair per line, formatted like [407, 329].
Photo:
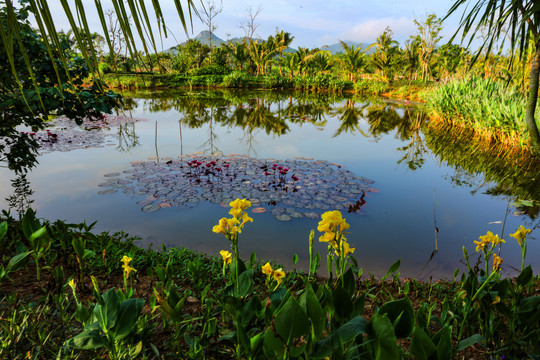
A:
[68, 293]
[448, 77]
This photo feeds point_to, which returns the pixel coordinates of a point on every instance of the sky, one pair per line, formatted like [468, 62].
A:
[313, 23]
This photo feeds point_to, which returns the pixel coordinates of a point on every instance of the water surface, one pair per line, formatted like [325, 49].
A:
[415, 177]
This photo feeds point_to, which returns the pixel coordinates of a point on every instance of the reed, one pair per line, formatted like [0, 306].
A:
[493, 108]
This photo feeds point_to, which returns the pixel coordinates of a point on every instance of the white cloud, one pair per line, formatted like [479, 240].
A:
[367, 31]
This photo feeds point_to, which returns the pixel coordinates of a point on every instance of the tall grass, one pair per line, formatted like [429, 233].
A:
[493, 107]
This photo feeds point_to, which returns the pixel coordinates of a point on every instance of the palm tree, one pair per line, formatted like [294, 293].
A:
[520, 20]
[283, 40]
[353, 60]
[386, 49]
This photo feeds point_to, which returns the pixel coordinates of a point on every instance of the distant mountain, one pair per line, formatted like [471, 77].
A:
[216, 42]
[337, 48]
[203, 38]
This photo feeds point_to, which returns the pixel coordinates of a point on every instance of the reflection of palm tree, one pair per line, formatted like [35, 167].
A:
[349, 116]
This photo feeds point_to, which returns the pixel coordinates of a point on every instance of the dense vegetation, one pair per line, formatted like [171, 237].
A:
[67, 293]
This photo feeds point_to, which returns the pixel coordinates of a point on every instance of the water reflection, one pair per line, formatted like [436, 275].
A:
[21, 199]
[493, 170]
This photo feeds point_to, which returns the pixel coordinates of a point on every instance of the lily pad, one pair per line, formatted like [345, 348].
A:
[283, 217]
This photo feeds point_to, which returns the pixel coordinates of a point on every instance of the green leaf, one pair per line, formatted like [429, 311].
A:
[347, 332]
[87, 340]
[421, 345]
[309, 302]
[3, 229]
[342, 303]
[291, 325]
[250, 310]
[525, 276]
[245, 285]
[402, 311]
[528, 311]
[384, 339]
[443, 341]
[272, 344]
[349, 282]
[393, 268]
[30, 223]
[255, 342]
[18, 261]
[471, 340]
[128, 314]
[107, 312]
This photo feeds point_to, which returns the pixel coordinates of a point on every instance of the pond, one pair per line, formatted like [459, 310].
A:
[165, 168]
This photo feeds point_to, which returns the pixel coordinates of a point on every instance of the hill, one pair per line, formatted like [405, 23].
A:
[217, 41]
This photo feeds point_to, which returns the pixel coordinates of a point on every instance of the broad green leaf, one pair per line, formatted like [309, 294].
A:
[255, 342]
[291, 325]
[384, 339]
[3, 229]
[30, 223]
[128, 314]
[107, 313]
[443, 341]
[349, 282]
[421, 345]
[18, 261]
[250, 310]
[245, 285]
[525, 276]
[471, 340]
[342, 303]
[87, 340]
[309, 302]
[272, 344]
[403, 310]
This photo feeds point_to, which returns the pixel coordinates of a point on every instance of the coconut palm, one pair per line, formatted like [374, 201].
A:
[520, 19]
[353, 60]
[383, 56]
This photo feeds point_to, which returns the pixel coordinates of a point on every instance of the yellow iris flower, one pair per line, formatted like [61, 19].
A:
[267, 270]
[497, 261]
[227, 256]
[279, 274]
[126, 260]
[331, 221]
[346, 248]
[520, 234]
[127, 270]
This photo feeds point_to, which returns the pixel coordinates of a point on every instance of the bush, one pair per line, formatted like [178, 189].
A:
[105, 68]
[236, 79]
[370, 87]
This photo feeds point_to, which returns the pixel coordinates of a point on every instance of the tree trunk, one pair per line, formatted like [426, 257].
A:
[534, 135]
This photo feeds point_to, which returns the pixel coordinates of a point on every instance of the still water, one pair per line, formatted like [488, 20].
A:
[141, 176]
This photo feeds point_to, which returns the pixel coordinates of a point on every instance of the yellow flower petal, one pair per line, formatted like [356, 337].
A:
[267, 270]
[227, 256]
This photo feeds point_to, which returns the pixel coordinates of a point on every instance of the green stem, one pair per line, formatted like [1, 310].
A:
[37, 266]
[472, 301]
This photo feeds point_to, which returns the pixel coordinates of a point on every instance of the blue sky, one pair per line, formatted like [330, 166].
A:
[313, 23]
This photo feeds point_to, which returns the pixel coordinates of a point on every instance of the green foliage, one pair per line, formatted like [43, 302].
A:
[30, 98]
[482, 104]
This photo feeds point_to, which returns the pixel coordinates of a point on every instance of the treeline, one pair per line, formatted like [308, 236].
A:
[422, 58]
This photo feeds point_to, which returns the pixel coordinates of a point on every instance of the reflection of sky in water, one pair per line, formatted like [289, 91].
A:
[397, 222]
